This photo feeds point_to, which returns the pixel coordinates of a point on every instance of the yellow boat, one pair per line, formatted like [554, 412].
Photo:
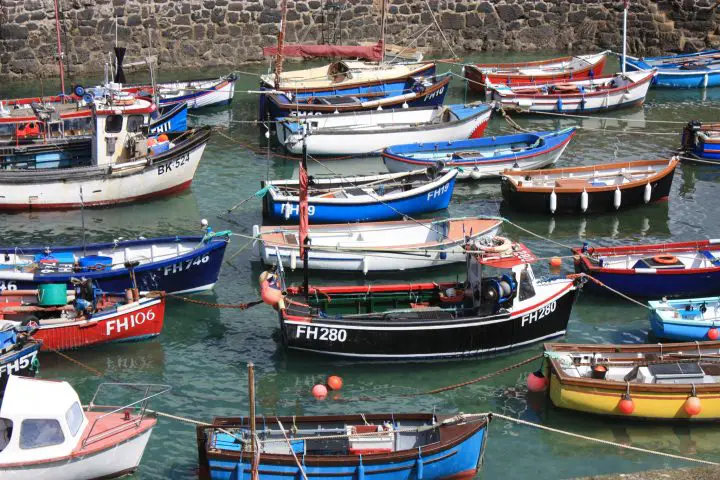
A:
[672, 381]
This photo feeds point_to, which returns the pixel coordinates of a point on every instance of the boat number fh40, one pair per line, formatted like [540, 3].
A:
[538, 314]
[128, 322]
[19, 364]
[186, 265]
[177, 163]
[321, 333]
[438, 192]
[434, 94]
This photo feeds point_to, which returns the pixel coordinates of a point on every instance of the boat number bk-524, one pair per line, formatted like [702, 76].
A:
[321, 333]
[538, 314]
[177, 163]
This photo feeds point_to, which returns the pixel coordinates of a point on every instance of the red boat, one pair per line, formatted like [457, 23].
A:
[86, 317]
[577, 67]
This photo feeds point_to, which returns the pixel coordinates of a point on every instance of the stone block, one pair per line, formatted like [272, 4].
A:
[11, 31]
[508, 13]
[452, 21]
[485, 7]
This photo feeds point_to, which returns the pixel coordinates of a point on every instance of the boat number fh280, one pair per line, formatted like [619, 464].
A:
[177, 163]
[128, 322]
[438, 192]
[538, 314]
[19, 364]
[321, 333]
[186, 265]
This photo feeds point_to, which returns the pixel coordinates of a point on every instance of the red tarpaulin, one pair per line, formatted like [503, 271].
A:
[373, 53]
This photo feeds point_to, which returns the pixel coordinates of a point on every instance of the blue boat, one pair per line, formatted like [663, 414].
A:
[688, 70]
[18, 351]
[405, 446]
[482, 157]
[360, 199]
[169, 119]
[695, 319]
[180, 264]
[701, 141]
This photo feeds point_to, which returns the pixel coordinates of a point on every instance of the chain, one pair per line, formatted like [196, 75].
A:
[239, 306]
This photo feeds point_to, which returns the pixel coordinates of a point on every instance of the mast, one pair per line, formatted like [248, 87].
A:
[251, 394]
[59, 48]
[624, 49]
[303, 214]
[280, 42]
[382, 31]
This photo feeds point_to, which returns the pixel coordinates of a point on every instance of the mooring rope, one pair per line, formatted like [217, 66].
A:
[239, 306]
[626, 297]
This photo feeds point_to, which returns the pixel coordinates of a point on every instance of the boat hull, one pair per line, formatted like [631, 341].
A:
[657, 284]
[173, 120]
[684, 320]
[672, 76]
[19, 362]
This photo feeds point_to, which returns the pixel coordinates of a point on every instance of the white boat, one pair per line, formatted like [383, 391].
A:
[365, 132]
[195, 93]
[375, 247]
[45, 433]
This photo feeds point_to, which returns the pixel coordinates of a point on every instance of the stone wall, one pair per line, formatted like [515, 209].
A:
[199, 33]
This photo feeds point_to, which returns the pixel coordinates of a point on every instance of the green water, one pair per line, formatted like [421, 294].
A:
[203, 352]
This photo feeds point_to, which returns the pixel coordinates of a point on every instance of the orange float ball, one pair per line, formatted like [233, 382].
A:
[713, 334]
[334, 382]
[270, 294]
[693, 406]
[163, 138]
[320, 392]
[536, 382]
[151, 141]
[626, 405]
[556, 262]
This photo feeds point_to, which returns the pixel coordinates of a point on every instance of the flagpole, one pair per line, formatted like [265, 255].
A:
[624, 49]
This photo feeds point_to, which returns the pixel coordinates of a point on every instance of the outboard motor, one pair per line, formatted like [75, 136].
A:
[689, 134]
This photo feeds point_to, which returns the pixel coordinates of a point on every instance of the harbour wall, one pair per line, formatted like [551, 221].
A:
[202, 33]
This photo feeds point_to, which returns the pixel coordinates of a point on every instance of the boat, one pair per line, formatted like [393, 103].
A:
[124, 165]
[490, 313]
[481, 158]
[671, 381]
[371, 445]
[172, 118]
[47, 434]
[412, 92]
[18, 351]
[369, 198]
[375, 247]
[540, 71]
[367, 132]
[592, 95]
[179, 264]
[209, 92]
[85, 316]
[686, 320]
[679, 269]
[688, 70]
[593, 189]
[701, 141]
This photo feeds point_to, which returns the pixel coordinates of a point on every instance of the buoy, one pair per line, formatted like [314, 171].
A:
[320, 392]
[264, 276]
[648, 193]
[475, 174]
[270, 294]
[334, 382]
[366, 265]
[163, 138]
[693, 406]
[536, 381]
[151, 141]
[713, 334]
[626, 404]
[293, 260]
[553, 201]
[405, 105]
[617, 198]
[584, 201]
[556, 262]
[559, 104]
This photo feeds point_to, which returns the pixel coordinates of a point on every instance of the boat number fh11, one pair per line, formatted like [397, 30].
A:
[186, 265]
[321, 333]
[177, 163]
[19, 364]
[128, 322]
[538, 314]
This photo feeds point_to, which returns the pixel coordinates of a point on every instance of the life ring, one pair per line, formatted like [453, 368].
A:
[665, 259]
[500, 245]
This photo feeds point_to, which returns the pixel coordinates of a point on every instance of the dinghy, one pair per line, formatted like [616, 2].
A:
[369, 132]
[593, 189]
[680, 269]
[371, 445]
[375, 247]
[688, 320]
[672, 381]
[541, 71]
[18, 351]
[47, 434]
[171, 264]
[687, 70]
[592, 95]
[492, 312]
[701, 141]
[482, 157]
[212, 92]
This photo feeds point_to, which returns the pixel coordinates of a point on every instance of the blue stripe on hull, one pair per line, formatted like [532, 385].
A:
[657, 285]
[690, 80]
[678, 332]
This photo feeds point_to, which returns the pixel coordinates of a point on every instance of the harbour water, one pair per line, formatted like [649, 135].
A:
[202, 352]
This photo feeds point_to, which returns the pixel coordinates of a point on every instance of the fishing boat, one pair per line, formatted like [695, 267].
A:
[492, 312]
[679, 269]
[482, 157]
[671, 381]
[541, 71]
[85, 316]
[45, 433]
[360, 199]
[358, 133]
[172, 118]
[18, 351]
[412, 92]
[179, 264]
[688, 70]
[346, 447]
[686, 320]
[375, 247]
[701, 141]
[591, 95]
[593, 189]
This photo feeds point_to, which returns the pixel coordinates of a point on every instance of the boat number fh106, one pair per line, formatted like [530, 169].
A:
[185, 266]
[129, 322]
[177, 163]
[321, 333]
[538, 314]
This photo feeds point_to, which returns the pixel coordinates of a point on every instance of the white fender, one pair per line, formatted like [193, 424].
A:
[366, 265]
[288, 209]
[256, 242]
[475, 174]
[648, 193]
[553, 201]
[584, 201]
[617, 198]
[293, 260]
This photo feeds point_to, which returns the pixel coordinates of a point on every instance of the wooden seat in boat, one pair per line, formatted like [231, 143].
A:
[571, 183]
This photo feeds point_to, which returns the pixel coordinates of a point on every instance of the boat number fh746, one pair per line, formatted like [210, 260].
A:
[177, 163]
[538, 314]
[9, 285]
[185, 266]
[321, 333]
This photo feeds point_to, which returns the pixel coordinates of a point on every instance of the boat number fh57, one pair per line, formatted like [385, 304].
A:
[128, 322]
[185, 266]
[321, 333]
[538, 314]
[177, 163]
[19, 364]
[438, 192]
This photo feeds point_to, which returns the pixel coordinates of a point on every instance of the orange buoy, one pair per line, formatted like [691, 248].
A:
[693, 406]
[713, 334]
[556, 262]
[334, 382]
[536, 381]
[626, 404]
[665, 259]
[320, 391]
[162, 138]
[270, 294]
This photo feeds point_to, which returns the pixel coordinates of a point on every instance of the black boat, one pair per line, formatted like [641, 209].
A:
[18, 352]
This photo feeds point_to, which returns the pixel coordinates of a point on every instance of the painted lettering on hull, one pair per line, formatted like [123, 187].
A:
[128, 322]
[19, 364]
[322, 334]
[174, 164]
[185, 266]
[538, 314]
[438, 192]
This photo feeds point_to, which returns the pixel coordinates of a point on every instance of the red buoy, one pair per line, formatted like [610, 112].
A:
[536, 381]
[162, 138]
[334, 382]
[713, 334]
[556, 262]
[692, 405]
[270, 294]
[320, 391]
[626, 404]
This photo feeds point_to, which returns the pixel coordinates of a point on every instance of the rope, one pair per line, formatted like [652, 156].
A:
[630, 299]
[609, 118]
[697, 160]
[239, 306]
[78, 363]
